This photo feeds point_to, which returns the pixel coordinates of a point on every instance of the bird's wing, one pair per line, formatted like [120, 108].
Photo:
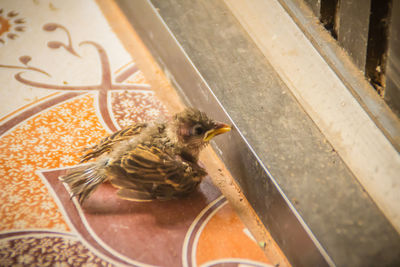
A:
[148, 168]
[107, 143]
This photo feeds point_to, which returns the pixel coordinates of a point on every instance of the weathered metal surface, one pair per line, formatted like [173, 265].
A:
[300, 188]
[352, 28]
[315, 5]
[392, 91]
[346, 70]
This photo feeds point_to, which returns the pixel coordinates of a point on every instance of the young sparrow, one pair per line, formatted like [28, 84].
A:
[146, 161]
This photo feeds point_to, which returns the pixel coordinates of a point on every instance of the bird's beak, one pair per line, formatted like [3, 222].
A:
[220, 128]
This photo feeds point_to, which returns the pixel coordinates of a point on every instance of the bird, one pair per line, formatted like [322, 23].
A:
[156, 160]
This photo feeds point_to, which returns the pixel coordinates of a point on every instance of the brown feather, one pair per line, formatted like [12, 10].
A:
[134, 195]
[107, 144]
[146, 161]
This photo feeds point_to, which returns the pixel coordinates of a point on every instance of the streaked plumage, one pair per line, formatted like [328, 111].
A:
[146, 161]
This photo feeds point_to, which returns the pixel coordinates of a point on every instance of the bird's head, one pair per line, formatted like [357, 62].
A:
[195, 129]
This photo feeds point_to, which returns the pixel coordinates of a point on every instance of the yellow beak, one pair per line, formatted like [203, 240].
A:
[219, 129]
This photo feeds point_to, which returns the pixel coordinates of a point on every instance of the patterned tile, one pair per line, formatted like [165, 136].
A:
[46, 249]
[66, 83]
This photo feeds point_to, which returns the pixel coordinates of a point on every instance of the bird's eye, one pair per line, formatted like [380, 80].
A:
[198, 130]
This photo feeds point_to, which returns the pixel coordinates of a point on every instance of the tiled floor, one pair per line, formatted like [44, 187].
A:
[66, 82]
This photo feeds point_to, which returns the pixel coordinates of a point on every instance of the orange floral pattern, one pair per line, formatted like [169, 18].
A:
[48, 140]
[137, 78]
[10, 25]
[46, 136]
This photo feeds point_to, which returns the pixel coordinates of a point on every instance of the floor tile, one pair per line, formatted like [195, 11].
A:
[66, 82]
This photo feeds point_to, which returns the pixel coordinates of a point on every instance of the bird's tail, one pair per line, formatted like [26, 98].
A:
[84, 179]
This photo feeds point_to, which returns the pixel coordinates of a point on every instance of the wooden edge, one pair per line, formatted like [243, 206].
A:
[220, 176]
[141, 55]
